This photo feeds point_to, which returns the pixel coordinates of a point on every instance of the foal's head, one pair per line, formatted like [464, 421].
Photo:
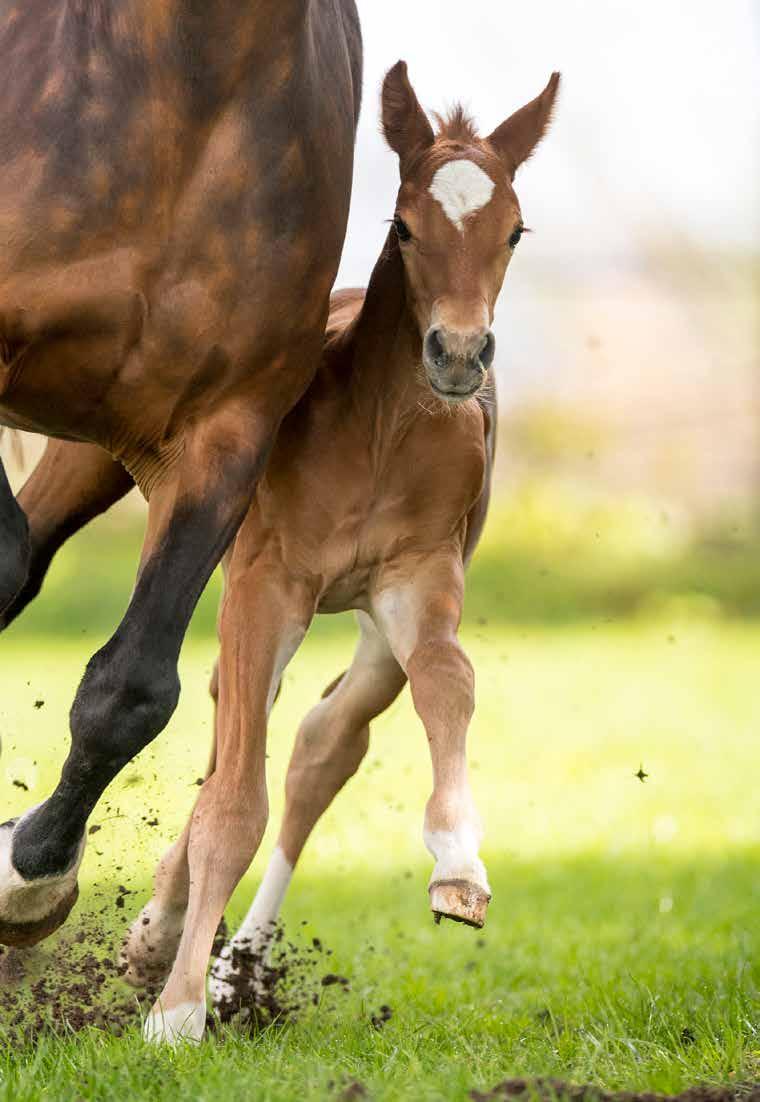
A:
[458, 222]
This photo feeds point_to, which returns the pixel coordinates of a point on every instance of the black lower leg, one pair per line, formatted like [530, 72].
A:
[14, 543]
[130, 688]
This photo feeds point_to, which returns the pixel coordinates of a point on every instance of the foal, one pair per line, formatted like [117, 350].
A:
[374, 499]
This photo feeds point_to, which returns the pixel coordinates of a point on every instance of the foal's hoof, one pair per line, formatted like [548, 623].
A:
[31, 910]
[150, 946]
[185, 1022]
[459, 900]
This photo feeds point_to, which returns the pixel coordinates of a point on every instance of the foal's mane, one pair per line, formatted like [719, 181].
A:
[457, 126]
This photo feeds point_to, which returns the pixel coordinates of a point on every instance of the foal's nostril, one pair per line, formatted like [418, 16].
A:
[434, 352]
[488, 350]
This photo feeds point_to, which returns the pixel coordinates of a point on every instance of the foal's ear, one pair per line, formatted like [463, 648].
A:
[519, 135]
[405, 125]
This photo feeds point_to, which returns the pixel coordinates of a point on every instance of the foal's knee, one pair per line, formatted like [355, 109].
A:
[15, 555]
[442, 680]
[123, 702]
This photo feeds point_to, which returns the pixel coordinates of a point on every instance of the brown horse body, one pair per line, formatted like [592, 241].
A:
[174, 189]
[374, 498]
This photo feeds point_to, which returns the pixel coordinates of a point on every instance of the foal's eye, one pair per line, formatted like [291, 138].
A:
[517, 233]
[402, 230]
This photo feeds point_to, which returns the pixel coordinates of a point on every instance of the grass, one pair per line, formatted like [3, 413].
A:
[623, 941]
[552, 554]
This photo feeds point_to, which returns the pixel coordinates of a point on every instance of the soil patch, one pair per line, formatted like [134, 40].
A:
[74, 981]
[555, 1090]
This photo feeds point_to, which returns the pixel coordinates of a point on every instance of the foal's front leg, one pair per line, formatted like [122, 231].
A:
[131, 686]
[418, 603]
[264, 619]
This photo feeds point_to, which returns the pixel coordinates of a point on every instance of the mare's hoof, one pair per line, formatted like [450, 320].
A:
[459, 900]
[23, 934]
[150, 945]
[185, 1022]
[31, 910]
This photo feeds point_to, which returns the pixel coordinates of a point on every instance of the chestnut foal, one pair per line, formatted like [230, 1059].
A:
[374, 498]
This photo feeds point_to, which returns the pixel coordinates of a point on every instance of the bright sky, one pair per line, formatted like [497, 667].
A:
[657, 136]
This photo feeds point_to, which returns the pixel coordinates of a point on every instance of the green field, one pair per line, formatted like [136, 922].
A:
[622, 943]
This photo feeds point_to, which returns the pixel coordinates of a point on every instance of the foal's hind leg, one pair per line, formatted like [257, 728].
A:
[14, 544]
[71, 484]
[330, 745]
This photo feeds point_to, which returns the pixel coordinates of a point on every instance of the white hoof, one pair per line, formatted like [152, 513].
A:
[30, 910]
[150, 945]
[185, 1022]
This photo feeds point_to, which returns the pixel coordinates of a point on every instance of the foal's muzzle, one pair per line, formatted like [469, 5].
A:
[457, 363]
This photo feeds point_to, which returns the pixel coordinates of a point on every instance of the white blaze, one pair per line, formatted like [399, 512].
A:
[461, 188]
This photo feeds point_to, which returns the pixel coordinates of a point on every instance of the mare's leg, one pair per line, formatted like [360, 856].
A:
[264, 618]
[131, 686]
[150, 945]
[14, 544]
[70, 486]
[418, 605]
[330, 745]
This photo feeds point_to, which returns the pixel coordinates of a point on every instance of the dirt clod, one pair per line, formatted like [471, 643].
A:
[352, 1091]
[383, 1015]
[274, 983]
[555, 1090]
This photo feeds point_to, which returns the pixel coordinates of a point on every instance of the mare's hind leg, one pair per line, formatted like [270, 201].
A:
[330, 745]
[264, 617]
[131, 686]
[14, 544]
[71, 484]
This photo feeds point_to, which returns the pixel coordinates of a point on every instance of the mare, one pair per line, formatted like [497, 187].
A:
[174, 193]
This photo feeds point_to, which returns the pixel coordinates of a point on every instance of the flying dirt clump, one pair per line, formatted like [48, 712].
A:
[75, 982]
[276, 982]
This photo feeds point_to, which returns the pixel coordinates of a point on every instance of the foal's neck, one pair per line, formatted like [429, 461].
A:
[387, 343]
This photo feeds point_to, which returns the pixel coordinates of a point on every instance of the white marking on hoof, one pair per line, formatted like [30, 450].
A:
[456, 855]
[462, 188]
[252, 939]
[32, 909]
[185, 1022]
[151, 942]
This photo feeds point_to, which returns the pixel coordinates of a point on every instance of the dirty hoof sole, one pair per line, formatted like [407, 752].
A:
[23, 934]
[460, 901]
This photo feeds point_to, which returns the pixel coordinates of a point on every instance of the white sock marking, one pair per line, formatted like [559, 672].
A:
[31, 900]
[462, 188]
[456, 855]
[268, 899]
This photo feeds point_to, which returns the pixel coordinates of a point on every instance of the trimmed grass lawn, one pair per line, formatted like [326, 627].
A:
[623, 944]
